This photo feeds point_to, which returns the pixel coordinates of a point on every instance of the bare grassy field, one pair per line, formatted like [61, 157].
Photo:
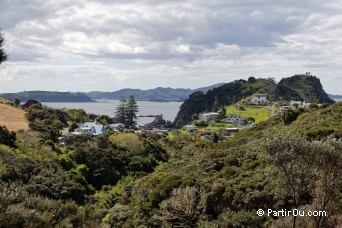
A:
[12, 118]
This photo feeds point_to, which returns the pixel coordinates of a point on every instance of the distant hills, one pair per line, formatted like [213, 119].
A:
[157, 94]
[48, 96]
[299, 87]
[335, 97]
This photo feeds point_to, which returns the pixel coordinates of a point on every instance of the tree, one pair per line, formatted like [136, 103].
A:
[120, 114]
[131, 111]
[126, 111]
[3, 55]
[16, 101]
[308, 170]
[183, 208]
[6, 137]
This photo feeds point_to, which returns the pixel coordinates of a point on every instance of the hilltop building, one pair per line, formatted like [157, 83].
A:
[259, 98]
[206, 117]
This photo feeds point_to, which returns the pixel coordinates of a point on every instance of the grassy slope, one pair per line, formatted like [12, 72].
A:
[12, 118]
[259, 114]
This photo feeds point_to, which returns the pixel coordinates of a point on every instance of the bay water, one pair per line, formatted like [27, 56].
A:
[169, 110]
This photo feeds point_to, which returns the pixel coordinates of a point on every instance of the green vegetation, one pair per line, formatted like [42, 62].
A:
[3, 55]
[258, 113]
[128, 179]
[228, 94]
[126, 111]
[308, 87]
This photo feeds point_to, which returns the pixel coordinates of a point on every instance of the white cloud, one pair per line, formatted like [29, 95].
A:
[213, 40]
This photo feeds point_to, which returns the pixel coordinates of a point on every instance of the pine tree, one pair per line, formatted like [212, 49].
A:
[131, 111]
[120, 114]
[3, 55]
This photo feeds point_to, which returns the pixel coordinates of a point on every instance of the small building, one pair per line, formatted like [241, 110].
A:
[29, 103]
[190, 127]
[259, 98]
[295, 104]
[283, 109]
[90, 128]
[206, 117]
[305, 105]
[234, 119]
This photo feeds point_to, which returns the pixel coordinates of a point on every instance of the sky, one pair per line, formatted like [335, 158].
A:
[107, 45]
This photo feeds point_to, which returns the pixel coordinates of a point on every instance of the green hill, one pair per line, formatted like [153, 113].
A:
[308, 87]
[233, 92]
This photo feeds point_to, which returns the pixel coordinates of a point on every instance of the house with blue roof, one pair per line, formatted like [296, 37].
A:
[91, 128]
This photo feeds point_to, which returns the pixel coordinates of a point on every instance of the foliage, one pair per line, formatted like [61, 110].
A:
[126, 111]
[183, 207]
[175, 179]
[3, 55]
[6, 137]
[304, 166]
[48, 121]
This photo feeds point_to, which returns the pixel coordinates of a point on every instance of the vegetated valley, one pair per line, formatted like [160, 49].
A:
[176, 178]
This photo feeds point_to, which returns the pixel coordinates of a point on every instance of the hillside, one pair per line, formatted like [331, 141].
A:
[12, 118]
[144, 179]
[308, 87]
[48, 96]
[233, 92]
[158, 93]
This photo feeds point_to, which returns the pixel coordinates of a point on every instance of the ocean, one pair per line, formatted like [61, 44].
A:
[169, 110]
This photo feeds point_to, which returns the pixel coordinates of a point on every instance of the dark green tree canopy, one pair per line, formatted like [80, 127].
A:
[126, 111]
[3, 55]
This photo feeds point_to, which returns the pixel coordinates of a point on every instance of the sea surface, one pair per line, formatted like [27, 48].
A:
[169, 110]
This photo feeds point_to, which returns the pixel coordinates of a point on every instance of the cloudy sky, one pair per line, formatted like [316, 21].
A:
[86, 45]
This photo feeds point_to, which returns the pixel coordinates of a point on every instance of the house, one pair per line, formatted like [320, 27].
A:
[231, 131]
[190, 127]
[206, 117]
[113, 127]
[283, 109]
[29, 103]
[234, 119]
[259, 98]
[90, 128]
[305, 105]
[295, 104]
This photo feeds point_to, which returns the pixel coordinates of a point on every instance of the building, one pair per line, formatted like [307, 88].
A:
[305, 105]
[295, 104]
[91, 128]
[259, 98]
[190, 127]
[206, 117]
[29, 103]
[234, 119]
[283, 109]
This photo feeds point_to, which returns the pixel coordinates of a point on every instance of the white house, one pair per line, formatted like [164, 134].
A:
[306, 105]
[206, 117]
[234, 119]
[259, 98]
[190, 127]
[90, 128]
[295, 104]
[282, 109]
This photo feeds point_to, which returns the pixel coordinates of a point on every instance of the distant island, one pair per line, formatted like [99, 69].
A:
[335, 97]
[48, 96]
